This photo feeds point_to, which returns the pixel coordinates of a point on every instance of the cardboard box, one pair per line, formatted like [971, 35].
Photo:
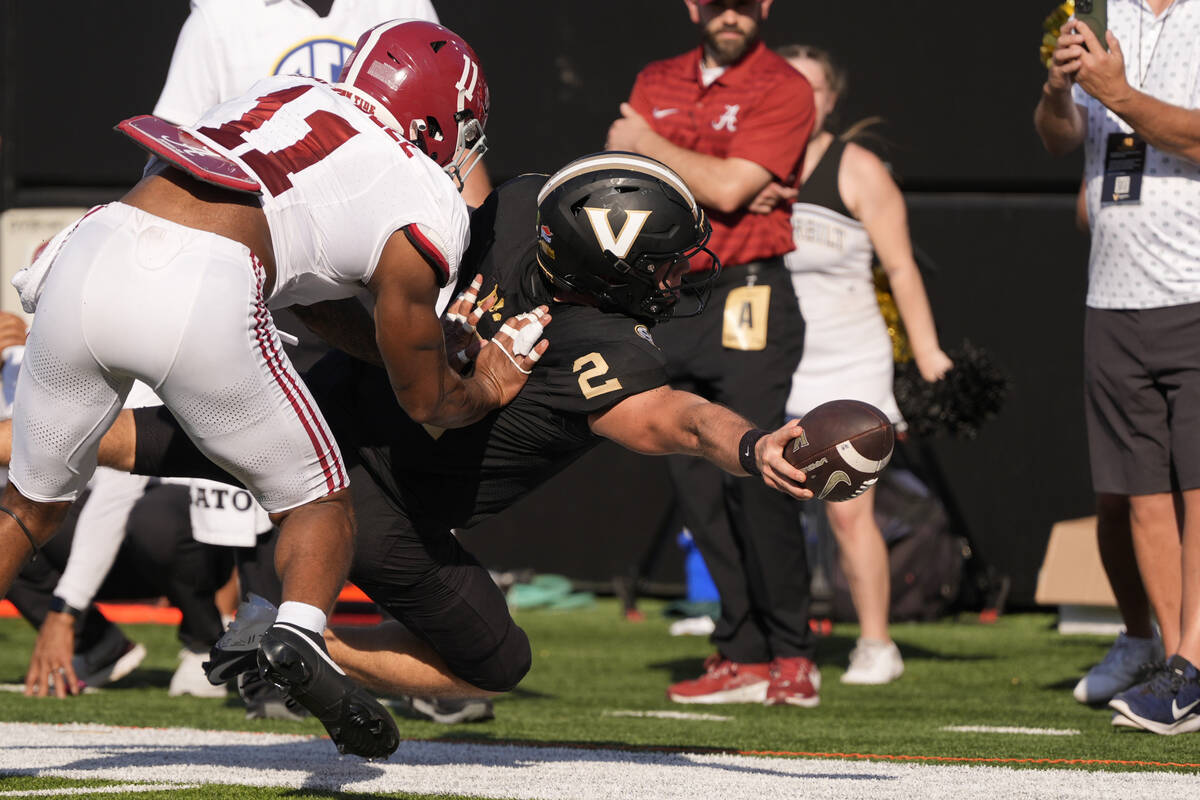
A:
[1071, 571]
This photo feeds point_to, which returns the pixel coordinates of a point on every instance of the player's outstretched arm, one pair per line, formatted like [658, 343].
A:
[663, 421]
[413, 347]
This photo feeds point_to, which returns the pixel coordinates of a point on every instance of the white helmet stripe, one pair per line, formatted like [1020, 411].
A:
[368, 46]
[618, 161]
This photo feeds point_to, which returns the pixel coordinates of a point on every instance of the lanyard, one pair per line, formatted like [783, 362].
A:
[1141, 13]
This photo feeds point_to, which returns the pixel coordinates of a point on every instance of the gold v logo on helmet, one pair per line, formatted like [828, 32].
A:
[618, 244]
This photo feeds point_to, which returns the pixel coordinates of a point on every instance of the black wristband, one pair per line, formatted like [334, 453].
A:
[746, 450]
[60, 606]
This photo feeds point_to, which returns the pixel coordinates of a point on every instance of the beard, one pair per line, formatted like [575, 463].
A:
[728, 50]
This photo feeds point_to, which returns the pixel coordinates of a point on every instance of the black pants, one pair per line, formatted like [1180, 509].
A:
[158, 557]
[749, 534]
[423, 579]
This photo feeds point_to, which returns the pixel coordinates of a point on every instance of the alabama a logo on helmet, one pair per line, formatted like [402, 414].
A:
[618, 244]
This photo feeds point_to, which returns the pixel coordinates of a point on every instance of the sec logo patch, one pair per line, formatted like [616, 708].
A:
[315, 58]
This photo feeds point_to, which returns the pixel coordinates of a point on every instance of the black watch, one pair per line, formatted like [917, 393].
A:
[60, 606]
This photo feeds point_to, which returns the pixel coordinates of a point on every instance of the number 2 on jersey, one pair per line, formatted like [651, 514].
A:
[597, 367]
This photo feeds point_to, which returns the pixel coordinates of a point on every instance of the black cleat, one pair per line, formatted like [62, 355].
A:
[237, 650]
[357, 723]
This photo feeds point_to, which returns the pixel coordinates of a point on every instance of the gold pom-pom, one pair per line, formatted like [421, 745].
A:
[1051, 25]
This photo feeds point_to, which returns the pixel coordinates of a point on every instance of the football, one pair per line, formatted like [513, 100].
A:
[844, 447]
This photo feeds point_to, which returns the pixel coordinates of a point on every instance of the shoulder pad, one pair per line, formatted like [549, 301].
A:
[175, 145]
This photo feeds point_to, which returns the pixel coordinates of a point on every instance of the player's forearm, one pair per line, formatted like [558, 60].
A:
[715, 434]
[464, 401]
[1058, 121]
[343, 324]
[101, 529]
[1165, 127]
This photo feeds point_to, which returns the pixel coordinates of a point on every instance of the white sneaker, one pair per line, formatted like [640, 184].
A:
[873, 661]
[189, 677]
[692, 626]
[1120, 669]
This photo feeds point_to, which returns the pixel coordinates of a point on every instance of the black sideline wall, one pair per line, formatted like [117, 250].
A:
[957, 85]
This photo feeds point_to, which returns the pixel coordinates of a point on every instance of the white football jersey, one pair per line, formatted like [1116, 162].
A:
[335, 185]
[227, 45]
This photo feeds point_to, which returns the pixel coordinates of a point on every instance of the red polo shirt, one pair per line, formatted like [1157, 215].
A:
[759, 109]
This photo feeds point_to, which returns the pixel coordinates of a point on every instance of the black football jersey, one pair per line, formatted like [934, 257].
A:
[453, 478]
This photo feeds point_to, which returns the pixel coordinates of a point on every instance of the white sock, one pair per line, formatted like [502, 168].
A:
[302, 615]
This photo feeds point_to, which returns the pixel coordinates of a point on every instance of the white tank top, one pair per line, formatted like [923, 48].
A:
[831, 265]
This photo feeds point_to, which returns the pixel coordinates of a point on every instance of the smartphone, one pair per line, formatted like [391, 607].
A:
[1094, 13]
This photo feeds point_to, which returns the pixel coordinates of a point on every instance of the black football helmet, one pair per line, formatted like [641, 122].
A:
[613, 226]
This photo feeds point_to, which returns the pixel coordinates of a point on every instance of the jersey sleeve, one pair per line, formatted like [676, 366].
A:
[776, 133]
[598, 375]
[191, 86]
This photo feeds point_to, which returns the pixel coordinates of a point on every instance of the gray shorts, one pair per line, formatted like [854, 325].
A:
[1142, 398]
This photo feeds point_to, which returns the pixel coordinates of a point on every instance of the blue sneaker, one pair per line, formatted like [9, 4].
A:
[1167, 703]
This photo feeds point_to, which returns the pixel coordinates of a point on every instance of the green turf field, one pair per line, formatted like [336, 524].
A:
[592, 668]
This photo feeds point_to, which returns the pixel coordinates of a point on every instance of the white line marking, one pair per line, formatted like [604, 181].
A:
[17, 688]
[155, 755]
[128, 787]
[1030, 731]
[668, 715]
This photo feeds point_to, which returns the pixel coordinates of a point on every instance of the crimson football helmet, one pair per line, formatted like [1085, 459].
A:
[424, 81]
[620, 228]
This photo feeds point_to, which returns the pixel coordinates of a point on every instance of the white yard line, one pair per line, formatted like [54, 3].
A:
[155, 755]
[63, 791]
[668, 715]
[1028, 731]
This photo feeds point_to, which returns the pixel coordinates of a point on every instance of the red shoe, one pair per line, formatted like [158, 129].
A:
[794, 682]
[724, 681]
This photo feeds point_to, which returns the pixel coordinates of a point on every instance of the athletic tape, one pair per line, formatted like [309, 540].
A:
[525, 338]
[508, 355]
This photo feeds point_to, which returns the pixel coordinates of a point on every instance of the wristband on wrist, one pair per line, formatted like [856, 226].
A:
[60, 606]
[746, 450]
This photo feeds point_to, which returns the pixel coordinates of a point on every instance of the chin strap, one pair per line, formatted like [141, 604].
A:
[36, 550]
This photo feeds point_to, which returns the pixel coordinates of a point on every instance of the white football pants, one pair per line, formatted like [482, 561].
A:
[133, 296]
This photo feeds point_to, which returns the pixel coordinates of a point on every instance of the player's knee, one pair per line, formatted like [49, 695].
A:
[506, 666]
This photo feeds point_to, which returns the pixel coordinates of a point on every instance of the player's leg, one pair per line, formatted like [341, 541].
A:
[65, 398]
[458, 637]
[240, 400]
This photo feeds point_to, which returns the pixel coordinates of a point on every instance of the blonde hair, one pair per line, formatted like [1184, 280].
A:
[838, 81]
